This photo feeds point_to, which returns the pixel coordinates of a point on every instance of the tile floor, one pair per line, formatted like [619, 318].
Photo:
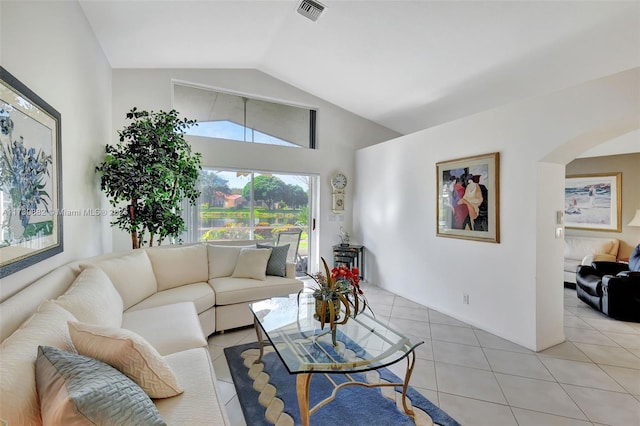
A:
[480, 379]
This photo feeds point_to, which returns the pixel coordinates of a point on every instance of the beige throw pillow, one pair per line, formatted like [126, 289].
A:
[92, 298]
[48, 326]
[132, 275]
[223, 259]
[128, 352]
[252, 263]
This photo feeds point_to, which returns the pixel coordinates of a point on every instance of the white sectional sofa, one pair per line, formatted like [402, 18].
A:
[584, 250]
[144, 312]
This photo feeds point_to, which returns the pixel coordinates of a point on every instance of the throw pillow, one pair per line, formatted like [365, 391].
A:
[76, 389]
[252, 263]
[132, 275]
[128, 352]
[277, 264]
[222, 259]
[18, 397]
[92, 298]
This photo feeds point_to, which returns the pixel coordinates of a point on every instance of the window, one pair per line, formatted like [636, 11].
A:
[247, 205]
[240, 118]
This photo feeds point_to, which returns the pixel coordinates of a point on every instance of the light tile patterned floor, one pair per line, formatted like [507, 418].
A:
[480, 379]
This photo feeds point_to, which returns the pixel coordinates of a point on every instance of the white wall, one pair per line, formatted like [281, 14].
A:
[339, 133]
[51, 49]
[515, 287]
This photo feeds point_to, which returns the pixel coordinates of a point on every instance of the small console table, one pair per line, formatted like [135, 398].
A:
[350, 255]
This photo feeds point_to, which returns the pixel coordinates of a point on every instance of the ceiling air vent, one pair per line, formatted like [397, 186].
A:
[311, 9]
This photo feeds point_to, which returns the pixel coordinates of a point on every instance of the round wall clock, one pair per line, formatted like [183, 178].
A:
[338, 181]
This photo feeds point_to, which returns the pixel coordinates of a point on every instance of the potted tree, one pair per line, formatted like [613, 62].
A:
[152, 169]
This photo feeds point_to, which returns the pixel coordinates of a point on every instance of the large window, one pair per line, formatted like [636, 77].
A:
[241, 118]
[247, 205]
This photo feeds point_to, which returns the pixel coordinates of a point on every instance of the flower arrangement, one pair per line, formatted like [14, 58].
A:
[338, 286]
[23, 173]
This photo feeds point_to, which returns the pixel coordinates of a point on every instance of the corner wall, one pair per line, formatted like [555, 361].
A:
[50, 48]
[515, 287]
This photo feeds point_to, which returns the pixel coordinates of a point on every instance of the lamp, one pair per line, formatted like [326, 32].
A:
[636, 219]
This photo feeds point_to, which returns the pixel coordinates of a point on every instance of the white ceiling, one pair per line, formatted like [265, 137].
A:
[407, 65]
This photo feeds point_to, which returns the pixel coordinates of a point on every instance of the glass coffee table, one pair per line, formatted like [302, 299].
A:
[363, 344]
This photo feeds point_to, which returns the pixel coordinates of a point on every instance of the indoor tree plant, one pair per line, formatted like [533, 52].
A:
[152, 169]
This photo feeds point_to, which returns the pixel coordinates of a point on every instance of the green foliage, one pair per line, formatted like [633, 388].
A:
[295, 196]
[231, 231]
[271, 189]
[303, 216]
[152, 169]
[263, 231]
[268, 189]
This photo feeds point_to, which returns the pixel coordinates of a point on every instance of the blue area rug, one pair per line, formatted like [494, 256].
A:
[353, 405]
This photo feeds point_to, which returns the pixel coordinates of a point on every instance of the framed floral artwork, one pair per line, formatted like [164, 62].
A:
[30, 177]
[468, 198]
[593, 202]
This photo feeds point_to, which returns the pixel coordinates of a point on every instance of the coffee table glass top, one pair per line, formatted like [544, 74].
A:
[363, 343]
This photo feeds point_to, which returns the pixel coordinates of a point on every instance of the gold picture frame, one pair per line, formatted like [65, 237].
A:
[593, 202]
[468, 198]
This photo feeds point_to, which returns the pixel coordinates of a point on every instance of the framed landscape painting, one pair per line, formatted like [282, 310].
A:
[468, 200]
[30, 177]
[593, 201]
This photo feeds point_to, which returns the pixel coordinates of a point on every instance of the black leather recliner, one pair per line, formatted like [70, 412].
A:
[612, 288]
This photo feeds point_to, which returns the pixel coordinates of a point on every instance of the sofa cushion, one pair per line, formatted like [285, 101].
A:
[201, 294]
[237, 290]
[222, 259]
[176, 266]
[129, 353]
[18, 308]
[277, 265]
[201, 402]
[19, 400]
[252, 263]
[579, 247]
[92, 298]
[169, 328]
[132, 275]
[78, 390]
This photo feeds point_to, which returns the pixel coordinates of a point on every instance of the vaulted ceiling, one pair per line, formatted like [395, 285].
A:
[406, 65]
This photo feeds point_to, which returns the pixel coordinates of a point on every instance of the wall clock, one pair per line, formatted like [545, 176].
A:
[338, 201]
[338, 183]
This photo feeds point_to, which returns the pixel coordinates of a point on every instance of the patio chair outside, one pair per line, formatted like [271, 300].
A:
[293, 239]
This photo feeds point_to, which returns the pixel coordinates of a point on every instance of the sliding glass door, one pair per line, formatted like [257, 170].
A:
[252, 205]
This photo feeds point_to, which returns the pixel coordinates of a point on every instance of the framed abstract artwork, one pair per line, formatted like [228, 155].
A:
[593, 202]
[30, 177]
[468, 198]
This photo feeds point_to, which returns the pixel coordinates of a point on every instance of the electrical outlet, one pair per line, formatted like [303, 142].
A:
[465, 299]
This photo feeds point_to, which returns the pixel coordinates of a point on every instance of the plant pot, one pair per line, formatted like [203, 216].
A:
[323, 312]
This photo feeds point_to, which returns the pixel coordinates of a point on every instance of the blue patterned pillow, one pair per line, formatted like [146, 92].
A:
[277, 264]
[75, 389]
